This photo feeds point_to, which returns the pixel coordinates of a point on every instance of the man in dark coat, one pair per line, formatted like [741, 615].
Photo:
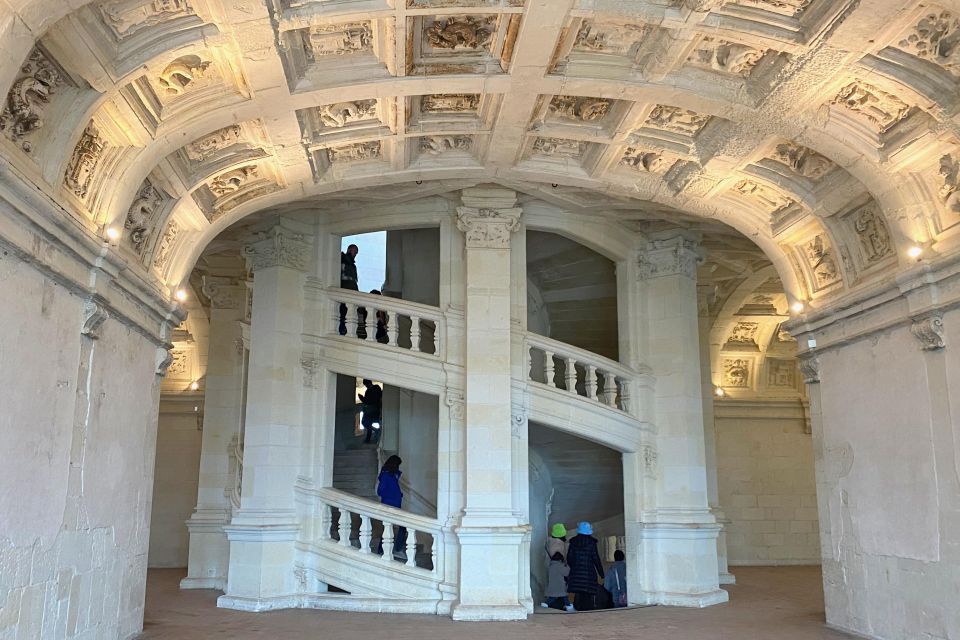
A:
[372, 400]
[585, 567]
[348, 280]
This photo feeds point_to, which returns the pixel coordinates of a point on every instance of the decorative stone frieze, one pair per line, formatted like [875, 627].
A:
[781, 373]
[461, 32]
[881, 109]
[355, 152]
[450, 102]
[560, 147]
[820, 259]
[29, 96]
[579, 109]
[165, 248]
[677, 120]
[722, 55]
[809, 367]
[142, 217]
[871, 230]
[676, 255]
[769, 200]
[94, 315]
[83, 162]
[127, 17]
[233, 180]
[743, 334]
[436, 145]
[736, 373]
[609, 38]
[278, 247]
[204, 148]
[928, 329]
[488, 228]
[340, 114]
[804, 161]
[321, 41]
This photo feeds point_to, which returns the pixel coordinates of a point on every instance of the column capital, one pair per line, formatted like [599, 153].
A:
[223, 292]
[278, 247]
[487, 228]
[670, 254]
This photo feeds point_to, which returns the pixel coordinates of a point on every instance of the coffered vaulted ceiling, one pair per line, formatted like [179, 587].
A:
[823, 130]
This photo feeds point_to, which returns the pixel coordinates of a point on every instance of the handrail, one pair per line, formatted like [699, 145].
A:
[603, 380]
[581, 355]
[385, 303]
[379, 511]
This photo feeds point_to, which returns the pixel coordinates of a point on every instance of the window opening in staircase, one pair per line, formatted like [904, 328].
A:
[371, 259]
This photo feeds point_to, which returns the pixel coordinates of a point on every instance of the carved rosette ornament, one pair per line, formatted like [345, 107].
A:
[928, 329]
[488, 228]
[278, 248]
[677, 255]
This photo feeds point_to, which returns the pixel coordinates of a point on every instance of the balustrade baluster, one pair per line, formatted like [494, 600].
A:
[344, 526]
[609, 389]
[548, 368]
[336, 318]
[624, 395]
[414, 333]
[353, 320]
[365, 533]
[591, 382]
[411, 548]
[433, 552]
[436, 338]
[570, 375]
[529, 362]
[386, 541]
[325, 521]
[364, 323]
[392, 330]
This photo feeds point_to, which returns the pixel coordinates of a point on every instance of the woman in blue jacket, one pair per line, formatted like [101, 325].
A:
[388, 488]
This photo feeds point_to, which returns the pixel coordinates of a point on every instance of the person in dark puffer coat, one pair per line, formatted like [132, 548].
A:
[585, 567]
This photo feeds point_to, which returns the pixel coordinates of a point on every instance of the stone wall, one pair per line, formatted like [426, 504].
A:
[175, 480]
[766, 479]
[76, 469]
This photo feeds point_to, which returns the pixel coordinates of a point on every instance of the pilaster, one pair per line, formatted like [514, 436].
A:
[491, 526]
[263, 530]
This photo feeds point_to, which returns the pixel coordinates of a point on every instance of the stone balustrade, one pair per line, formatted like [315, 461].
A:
[561, 366]
[358, 525]
[386, 320]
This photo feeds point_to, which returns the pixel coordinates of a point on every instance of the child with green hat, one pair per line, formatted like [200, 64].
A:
[558, 540]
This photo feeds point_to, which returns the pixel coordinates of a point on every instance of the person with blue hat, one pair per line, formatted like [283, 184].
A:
[586, 568]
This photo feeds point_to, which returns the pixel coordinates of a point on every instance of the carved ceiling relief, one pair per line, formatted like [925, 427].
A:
[736, 373]
[142, 216]
[161, 256]
[355, 152]
[768, 199]
[207, 147]
[743, 335]
[609, 38]
[22, 115]
[458, 33]
[646, 160]
[803, 161]
[729, 57]
[559, 147]
[579, 109]
[322, 41]
[936, 38]
[446, 103]
[232, 181]
[882, 110]
[949, 173]
[126, 17]
[821, 261]
[185, 75]
[340, 114]
[872, 232]
[83, 163]
[437, 145]
[677, 120]
[781, 373]
[791, 8]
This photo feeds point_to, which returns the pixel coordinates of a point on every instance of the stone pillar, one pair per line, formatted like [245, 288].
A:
[676, 534]
[710, 447]
[263, 530]
[209, 549]
[491, 532]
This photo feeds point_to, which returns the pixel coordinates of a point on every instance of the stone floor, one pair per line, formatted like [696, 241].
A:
[784, 603]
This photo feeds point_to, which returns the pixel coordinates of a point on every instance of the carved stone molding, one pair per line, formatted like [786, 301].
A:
[518, 424]
[223, 293]
[488, 228]
[94, 315]
[278, 248]
[436, 145]
[142, 215]
[167, 242]
[649, 458]
[928, 329]
[23, 111]
[310, 365]
[164, 360]
[676, 255]
[84, 161]
[455, 401]
[809, 367]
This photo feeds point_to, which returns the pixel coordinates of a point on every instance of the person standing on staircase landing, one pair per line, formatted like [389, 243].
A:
[348, 280]
[370, 411]
[388, 488]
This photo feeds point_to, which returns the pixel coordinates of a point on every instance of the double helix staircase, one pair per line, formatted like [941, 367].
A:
[343, 526]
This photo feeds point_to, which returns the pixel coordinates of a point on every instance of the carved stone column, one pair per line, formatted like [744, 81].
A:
[263, 530]
[491, 528]
[673, 529]
[209, 549]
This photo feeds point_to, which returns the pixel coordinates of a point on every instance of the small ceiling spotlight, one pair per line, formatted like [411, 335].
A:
[915, 251]
[798, 307]
[113, 234]
[194, 385]
[180, 295]
[719, 392]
